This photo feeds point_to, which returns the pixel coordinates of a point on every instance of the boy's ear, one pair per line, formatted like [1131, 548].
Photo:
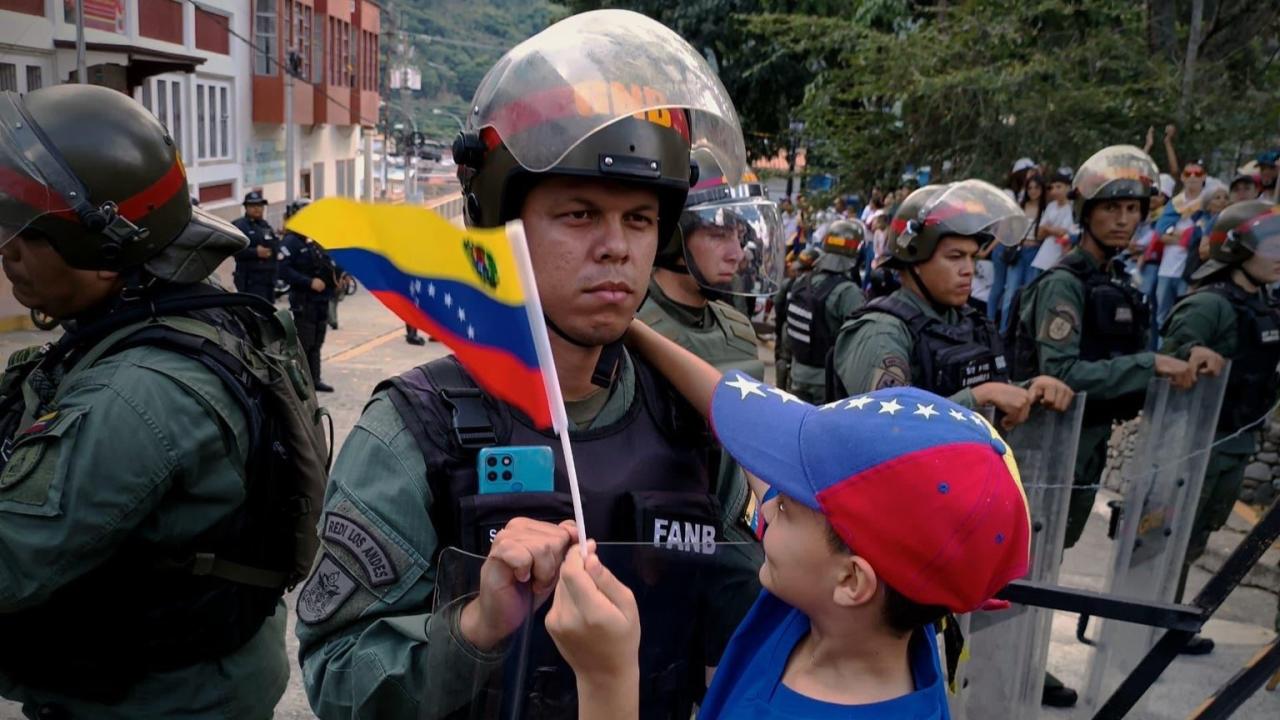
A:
[857, 583]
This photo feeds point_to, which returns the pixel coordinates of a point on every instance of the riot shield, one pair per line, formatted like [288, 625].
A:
[691, 595]
[1008, 649]
[1162, 481]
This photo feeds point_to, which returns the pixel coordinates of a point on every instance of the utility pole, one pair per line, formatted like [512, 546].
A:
[80, 71]
[292, 66]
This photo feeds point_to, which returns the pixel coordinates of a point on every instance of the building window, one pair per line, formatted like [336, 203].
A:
[300, 37]
[8, 77]
[217, 192]
[162, 95]
[26, 7]
[159, 19]
[214, 124]
[213, 32]
[35, 80]
[264, 38]
[317, 53]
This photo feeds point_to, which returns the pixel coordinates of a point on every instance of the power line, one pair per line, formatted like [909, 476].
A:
[460, 43]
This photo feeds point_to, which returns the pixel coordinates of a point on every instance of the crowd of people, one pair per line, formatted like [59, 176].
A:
[165, 477]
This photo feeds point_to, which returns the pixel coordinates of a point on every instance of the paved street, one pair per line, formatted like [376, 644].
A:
[369, 346]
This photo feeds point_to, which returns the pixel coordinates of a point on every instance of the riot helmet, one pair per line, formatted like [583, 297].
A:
[606, 94]
[971, 208]
[841, 244]
[729, 238]
[1119, 172]
[96, 175]
[1241, 231]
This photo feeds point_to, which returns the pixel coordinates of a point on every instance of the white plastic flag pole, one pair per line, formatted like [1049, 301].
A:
[550, 380]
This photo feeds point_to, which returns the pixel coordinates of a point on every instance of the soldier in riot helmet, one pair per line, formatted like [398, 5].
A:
[256, 265]
[817, 305]
[1230, 312]
[925, 333]
[800, 267]
[313, 280]
[145, 541]
[699, 264]
[1082, 322]
[584, 133]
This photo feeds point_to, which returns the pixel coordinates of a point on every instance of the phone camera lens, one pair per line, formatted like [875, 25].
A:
[493, 476]
[506, 461]
[492, 461]
[506, 474]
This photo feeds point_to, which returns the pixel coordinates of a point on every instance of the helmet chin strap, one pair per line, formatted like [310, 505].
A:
[924, 290]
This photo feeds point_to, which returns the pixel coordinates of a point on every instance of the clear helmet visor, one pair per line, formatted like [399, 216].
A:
[1125, 163]
[26, 191]
[559, 87]
[735, 247]
[976, 207]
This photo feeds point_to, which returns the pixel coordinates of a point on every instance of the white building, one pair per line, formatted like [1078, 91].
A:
[212, 72]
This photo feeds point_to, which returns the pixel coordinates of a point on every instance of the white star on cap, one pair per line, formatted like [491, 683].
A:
[830, 406]
[926, 410]
[957, 415]
[786, 396]
[890, 407]
[448, 300]
[978, 419]
[746, 387]
[858, 403]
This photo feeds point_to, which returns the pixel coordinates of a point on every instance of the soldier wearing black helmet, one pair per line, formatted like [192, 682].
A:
[256, 265]
[314, 279]
[145, 548]
[583, 132]
[1082, 321]
[817, 305]
[1230, 312]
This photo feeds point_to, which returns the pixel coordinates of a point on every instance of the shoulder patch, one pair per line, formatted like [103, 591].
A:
[1059, 323]
[347, 533]
[324, 592]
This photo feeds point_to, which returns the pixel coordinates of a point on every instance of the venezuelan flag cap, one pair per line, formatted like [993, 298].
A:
[924, 489]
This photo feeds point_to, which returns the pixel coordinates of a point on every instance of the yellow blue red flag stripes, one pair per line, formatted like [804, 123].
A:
[463, 287]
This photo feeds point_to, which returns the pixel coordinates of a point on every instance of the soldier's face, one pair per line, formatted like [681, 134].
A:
[1112, 222]
[717, 251]
[43, 281]
[1264, 265]
[592, 245]
[948, 274]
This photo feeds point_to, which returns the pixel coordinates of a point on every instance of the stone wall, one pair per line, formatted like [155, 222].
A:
[1261, 475]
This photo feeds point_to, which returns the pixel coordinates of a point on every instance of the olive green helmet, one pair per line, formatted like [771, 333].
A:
[1119, 172]
[844, 237]
[95, 173]
[971, 208]
[1241, 231]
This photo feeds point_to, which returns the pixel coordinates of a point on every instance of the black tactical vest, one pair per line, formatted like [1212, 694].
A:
[807, 331]
[149, 610]
[947, 358]
[1115, 323]
[1253, 384]
[644, 479]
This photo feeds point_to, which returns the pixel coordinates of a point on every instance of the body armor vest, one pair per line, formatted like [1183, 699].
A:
[1253, 384]
[947, 358]
[644, 479]
[807, 329]
[729, 342]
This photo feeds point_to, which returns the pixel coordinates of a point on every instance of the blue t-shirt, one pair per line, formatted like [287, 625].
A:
[748, 682]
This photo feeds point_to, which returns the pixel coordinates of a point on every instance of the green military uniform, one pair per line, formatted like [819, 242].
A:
[1052, 308]
[809, 383]
[143, 447]
[1208, 319]
[874, 351]
[716, 332]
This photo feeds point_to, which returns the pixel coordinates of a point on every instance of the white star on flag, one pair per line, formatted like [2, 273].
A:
[786, 396]
[890, 407]
[746, 387]
[858, 403]
[926, 410]
[431, 290]
[957, 415]
[462, 315]
[448, 300]
[471, 332]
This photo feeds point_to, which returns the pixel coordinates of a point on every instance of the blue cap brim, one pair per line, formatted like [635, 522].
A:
[764, 438]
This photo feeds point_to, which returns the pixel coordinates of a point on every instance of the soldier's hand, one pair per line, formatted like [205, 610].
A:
[264, 252]
[1011, 400]
[594, 620]
[1204, 361]
[1051, 392]
[524, 559]
[317, 285]
[1179, 372]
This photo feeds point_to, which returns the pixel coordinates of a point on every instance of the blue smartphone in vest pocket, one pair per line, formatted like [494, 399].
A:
[516, 469]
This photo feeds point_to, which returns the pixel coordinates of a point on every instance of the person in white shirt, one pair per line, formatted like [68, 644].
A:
[1057, 225]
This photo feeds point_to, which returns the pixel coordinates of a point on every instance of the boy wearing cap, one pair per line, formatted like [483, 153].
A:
[866, 548]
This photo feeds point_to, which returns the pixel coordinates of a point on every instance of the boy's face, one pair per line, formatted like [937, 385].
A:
[1058, 191]
[800, 567]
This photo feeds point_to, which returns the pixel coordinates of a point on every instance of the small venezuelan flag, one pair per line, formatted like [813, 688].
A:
[463, 287]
